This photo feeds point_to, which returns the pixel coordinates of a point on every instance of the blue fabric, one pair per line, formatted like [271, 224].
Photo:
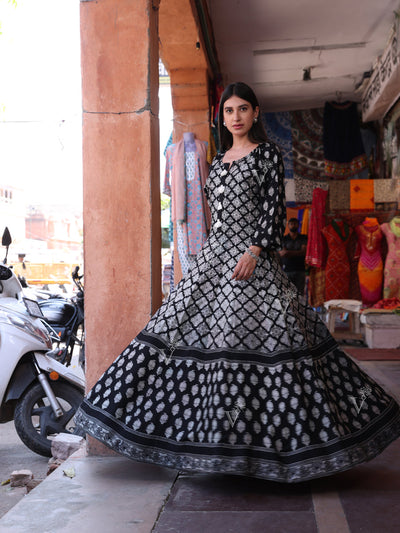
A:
[279, 130]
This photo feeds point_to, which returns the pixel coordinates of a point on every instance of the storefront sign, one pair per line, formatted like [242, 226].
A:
[383, 88]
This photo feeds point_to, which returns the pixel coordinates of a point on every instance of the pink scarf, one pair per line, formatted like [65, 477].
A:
[178, 185]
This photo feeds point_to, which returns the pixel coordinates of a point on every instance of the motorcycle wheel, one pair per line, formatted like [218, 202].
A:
[34, 419]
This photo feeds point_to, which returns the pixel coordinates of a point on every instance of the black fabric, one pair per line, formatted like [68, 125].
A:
[341, 134]
[240, 377]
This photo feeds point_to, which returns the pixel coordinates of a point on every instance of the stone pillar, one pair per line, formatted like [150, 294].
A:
[190, 101]
[122, 233]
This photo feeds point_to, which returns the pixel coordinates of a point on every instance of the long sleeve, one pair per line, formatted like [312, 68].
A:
[271, 223]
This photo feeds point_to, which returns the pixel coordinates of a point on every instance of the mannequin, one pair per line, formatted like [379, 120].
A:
[186, 171]
[391, 286]
[370, 265]
[189, 141]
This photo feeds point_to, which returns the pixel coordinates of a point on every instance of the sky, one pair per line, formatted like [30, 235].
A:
[40, 100]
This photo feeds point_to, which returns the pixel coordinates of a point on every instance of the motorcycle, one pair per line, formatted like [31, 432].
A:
[40, 394]
[66, 317]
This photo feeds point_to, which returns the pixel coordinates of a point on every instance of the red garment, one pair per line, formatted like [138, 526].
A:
[315, 245]
[387, 303]
[370, 265]
[337, 273]
[316, 288]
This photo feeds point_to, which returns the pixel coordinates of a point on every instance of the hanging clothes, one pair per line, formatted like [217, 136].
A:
[279, 130]
[391, 230]
[339, 195]
[308, 149]
[370, 265]
[306, 221]
[315, 255]
[185, 175]
[343, 148]
[362, 194]
[316, 286]
[337, 272]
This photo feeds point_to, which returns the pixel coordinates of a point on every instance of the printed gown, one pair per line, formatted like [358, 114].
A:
[240, 377]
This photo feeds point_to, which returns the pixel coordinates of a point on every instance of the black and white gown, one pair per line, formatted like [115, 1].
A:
[240, 377]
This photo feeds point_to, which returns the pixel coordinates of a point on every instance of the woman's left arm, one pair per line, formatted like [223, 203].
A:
[272, 220]
[271, 223]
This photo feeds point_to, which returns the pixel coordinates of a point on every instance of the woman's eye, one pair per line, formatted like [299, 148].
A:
[243, 108]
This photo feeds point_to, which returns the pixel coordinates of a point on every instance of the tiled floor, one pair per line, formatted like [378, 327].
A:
[365, 499]
[110, 494]
[224, 503]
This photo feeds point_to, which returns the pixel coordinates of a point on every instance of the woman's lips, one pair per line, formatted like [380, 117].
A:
[238, 126]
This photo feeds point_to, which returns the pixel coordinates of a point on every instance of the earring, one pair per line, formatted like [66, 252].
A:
[255, 120]
[225, 124]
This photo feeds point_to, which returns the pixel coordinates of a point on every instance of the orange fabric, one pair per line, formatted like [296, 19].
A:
[370, 222]
[362, 194]
[291, 212]
[306, 221]
[316, 288]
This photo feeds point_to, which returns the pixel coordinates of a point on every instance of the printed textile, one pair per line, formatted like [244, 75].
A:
[279, 130]
[240, 377]
[339, 195]
[387, 190]
[362, 194]
[308, 149]
[185, 259]
[185, 175]
[290, 192]
[337, 271]
[316, 248]
[304, 189]
[316, 286]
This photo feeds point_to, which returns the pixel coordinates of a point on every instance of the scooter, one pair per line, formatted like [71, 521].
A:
[66, 317]
[40, 394]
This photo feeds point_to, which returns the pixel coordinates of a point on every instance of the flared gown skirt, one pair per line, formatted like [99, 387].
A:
[239, 377]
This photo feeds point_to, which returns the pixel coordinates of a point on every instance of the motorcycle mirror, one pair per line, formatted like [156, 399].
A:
[6, 241]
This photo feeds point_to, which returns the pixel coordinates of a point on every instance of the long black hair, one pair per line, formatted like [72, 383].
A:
[257, 132]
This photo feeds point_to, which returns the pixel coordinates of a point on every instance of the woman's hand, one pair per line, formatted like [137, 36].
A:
[246, 265]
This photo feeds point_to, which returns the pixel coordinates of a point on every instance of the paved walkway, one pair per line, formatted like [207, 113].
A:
[114, 494]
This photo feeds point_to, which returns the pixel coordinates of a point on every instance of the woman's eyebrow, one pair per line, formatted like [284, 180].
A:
[231, 107]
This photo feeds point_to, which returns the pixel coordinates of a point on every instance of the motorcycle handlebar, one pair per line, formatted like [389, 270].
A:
[76, 278]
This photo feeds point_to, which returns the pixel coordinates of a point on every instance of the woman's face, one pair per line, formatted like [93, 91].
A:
[239, 116]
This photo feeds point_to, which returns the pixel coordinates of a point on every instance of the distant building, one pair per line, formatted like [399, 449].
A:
[54, 234]
[12, 211]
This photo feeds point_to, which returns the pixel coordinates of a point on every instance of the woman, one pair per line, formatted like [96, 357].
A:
[234, 373]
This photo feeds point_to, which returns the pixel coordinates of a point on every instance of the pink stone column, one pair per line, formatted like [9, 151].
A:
[122, 243]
